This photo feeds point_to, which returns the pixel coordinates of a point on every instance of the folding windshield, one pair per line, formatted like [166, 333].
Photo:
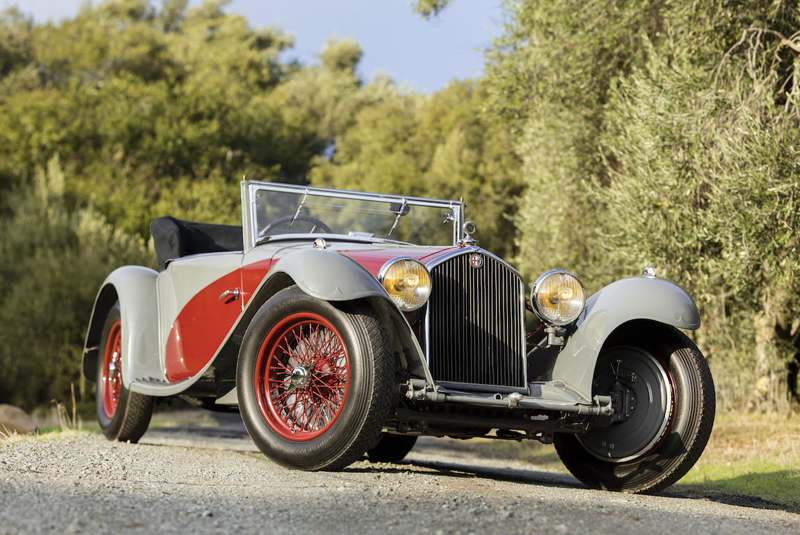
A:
[278, 210]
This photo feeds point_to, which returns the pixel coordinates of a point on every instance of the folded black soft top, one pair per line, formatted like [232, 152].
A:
[174, 238]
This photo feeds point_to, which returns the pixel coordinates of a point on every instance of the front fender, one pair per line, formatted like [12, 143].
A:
[135, 289]
[618, 303]
[329, 275]
[334, 277]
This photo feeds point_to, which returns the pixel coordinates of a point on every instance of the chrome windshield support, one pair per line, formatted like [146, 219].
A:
[299, 207]
[397, 218]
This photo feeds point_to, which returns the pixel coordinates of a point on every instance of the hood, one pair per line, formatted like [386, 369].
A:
[373, 257]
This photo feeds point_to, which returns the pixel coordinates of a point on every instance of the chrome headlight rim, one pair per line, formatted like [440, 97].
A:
[534, 301]
[405, 307]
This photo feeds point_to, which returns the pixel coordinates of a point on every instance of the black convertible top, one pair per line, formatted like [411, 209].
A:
[174, 238]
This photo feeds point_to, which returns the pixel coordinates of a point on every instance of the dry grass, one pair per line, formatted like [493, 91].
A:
[46, 436]
[7, 436]
[754, 437]
[751, 455]
[69, 425]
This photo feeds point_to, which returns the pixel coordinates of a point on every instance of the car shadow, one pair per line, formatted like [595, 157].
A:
[685, 491]
[551, 479]
[462, 461]
[459, 470]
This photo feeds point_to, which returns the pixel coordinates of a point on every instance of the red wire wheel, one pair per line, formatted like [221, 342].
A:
[112, 372]
[315, 380]
[302, 376]
[123, 415]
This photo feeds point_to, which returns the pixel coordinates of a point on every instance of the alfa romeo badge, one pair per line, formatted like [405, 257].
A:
[476, 261]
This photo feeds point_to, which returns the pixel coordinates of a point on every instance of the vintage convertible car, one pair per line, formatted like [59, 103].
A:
[340, 323]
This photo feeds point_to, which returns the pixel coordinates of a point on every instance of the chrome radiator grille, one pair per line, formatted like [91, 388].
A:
[475, 327]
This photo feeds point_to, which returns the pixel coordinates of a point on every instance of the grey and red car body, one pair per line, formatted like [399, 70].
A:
[385, 321]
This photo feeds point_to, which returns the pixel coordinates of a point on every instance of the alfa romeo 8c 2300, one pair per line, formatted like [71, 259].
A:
[342, 323]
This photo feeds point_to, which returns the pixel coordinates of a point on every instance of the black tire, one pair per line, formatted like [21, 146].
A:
[315, 381]
[653, 456]
[391, 448]
[123, 415]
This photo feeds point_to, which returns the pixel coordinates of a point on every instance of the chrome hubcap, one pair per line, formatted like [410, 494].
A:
[112, 367]
[299, 378]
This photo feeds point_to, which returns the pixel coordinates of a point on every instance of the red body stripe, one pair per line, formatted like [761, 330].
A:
[203, 323]
[374, 259]
[252, 275]
[200, 328]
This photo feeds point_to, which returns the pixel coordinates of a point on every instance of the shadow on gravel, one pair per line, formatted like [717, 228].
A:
[227, 425]
[457, 470]
[197, 431]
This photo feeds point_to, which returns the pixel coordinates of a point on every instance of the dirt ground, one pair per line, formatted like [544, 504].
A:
[206, 476]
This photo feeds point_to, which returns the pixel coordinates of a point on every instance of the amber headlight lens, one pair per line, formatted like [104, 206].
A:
[407, 282]
[558, 297]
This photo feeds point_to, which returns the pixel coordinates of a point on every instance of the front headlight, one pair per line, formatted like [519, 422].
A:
[407, 282]
[558, 297]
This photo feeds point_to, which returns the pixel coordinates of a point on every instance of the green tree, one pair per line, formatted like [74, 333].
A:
[665, 133]
[706, 186]
[441, 146]
[147, 112]
[52, 261]
[141, 103]
[430, 8]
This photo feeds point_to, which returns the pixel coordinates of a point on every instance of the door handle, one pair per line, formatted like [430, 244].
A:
[229, 295]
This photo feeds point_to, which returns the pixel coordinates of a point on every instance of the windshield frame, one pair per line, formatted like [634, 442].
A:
[251, 187]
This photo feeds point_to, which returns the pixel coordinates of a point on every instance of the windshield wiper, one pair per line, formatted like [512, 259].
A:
[401, 211]
[297, 213]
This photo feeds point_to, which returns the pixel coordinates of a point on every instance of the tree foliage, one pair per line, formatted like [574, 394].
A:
[132, 110]
[120, 115]
[442, 146]
[52, 259]
[142, 103]
[666, 134]
[430, 8]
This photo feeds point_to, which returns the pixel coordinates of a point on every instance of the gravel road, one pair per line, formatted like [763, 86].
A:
[195, 479]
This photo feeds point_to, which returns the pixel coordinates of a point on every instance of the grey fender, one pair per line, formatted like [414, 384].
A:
[135, 288]
[329, 275]
[332, 276]
[625, 300]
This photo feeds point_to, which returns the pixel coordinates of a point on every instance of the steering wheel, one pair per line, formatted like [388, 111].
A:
[284, 219]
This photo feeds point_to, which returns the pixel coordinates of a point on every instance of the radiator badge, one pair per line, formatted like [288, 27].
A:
[476, 261]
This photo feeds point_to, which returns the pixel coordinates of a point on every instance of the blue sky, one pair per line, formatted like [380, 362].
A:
[423, 54]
